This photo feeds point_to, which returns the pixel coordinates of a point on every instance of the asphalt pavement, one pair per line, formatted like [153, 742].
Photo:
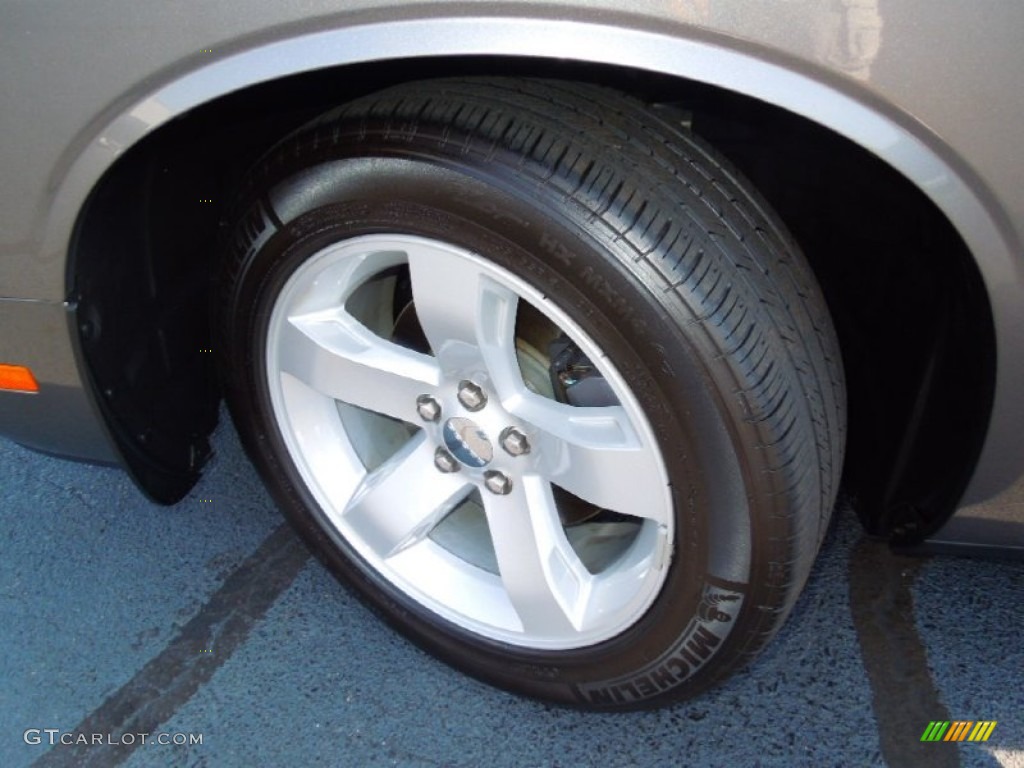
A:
[208, 622]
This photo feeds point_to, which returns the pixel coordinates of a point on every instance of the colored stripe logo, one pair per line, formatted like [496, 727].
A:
[958, 730]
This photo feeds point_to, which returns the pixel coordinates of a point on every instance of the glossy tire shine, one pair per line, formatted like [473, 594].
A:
[651, 247]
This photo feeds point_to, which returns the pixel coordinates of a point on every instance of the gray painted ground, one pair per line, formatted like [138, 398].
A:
[207, 618]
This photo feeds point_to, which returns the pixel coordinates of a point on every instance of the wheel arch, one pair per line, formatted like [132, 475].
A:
[128, 145]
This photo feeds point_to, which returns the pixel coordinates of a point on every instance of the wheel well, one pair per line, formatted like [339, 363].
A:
[908, 302]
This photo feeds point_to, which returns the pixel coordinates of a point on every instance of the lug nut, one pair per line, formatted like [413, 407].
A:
[498, 482]
[445, 462]
[514, 442]
[428, 408]
[472, 397]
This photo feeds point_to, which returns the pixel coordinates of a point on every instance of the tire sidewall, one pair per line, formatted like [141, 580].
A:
[555, 247]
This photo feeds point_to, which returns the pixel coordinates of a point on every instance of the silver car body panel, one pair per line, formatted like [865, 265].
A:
[62, 417]
[930, 86]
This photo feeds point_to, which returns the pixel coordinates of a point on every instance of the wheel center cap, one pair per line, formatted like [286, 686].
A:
[467, 442]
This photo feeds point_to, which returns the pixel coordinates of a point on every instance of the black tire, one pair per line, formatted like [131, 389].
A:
[666, 259]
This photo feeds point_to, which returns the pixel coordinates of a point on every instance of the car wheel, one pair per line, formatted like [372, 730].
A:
[536, 372]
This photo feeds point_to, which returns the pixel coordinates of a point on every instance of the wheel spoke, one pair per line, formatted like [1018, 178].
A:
[466, 316]
[399, 504]
[595, 454]
[545, 580]
[337, 356]
[512, 574]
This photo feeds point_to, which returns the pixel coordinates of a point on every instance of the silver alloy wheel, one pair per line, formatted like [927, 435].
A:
[443, 471]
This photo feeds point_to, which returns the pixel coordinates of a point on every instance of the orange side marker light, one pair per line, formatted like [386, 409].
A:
[17, 378]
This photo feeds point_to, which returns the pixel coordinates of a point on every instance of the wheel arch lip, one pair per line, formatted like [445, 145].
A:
[835, 102]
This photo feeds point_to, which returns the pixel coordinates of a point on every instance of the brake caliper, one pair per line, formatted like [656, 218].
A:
[574, 378]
